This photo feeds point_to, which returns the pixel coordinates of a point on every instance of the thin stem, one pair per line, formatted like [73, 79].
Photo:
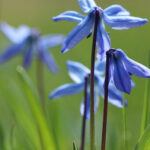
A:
[146, 105]
[93, 53]
[84, 115]
[124, 128]
[40, 82]
[105, 111]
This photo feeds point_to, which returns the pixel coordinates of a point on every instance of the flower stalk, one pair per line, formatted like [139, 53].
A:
[93, 53]
[84, 115]
[124, 111]
[105, 110]
[40, 82]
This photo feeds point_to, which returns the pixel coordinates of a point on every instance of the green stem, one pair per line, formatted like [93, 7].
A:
[40, 82]
[124, 128]
[146, 107]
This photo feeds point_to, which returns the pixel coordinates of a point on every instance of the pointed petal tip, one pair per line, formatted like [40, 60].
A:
[144, 21]
[54, 19]
[50, 97]
[55, 70]
[64, 50]
[128, 91]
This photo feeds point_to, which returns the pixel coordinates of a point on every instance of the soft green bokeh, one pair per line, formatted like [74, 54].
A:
[16, 122]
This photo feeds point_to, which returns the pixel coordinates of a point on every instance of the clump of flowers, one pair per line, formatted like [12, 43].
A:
[117, 70]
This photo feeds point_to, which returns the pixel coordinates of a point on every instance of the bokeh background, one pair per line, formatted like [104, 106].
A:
[63, 117]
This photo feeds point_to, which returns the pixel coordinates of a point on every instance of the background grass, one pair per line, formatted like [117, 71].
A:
[17, 126]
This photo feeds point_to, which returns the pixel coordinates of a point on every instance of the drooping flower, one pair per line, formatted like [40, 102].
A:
[27, 41]
[114, 16]
[122, 68]
[77, 73]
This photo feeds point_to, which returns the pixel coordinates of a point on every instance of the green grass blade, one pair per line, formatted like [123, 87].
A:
[33, 100]
[74, 146]
[144, 141]
[124, 128]
[146, 107]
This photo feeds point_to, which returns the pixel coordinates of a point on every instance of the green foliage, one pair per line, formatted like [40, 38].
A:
[144, 141]
[23, 125]
[45, 137]
[146, 105]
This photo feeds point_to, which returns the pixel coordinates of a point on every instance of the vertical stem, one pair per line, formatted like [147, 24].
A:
[124, 128]
[93, 53]
[146, 104]
[84, 115]
[40, 82]
[105, 111]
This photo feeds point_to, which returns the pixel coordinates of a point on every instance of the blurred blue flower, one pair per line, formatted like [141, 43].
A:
[78, 72]
[114, 16]
[29, 42]
[122, 68]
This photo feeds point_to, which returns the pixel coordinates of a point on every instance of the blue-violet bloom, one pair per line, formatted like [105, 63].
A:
[27, 41]
[77, 73]
[114, 16]
[122, 68]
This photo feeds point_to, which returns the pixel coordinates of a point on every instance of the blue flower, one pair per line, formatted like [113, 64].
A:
[27, 41]
[122, 68]
[78, 72]
[114, 16]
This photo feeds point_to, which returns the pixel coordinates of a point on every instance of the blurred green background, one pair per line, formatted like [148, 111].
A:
[17, 125]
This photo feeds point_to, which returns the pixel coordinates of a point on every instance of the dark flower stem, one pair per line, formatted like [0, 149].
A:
[93, 53]
[105, 111]
[40, 82]
[84, 115]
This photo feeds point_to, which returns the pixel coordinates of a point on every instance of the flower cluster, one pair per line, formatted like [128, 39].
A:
[121, 67]
[110, 75]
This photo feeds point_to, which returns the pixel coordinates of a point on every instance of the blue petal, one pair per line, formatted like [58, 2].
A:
[11, 52]
[134, 67]
[77, 71]
[81, 31]
[69, 16]
[100, 66]
[48, 59]
[115, 96]
[28, 57]
[124, 22]
[82, 107]
[116, 10]
[13, 34]
[103, 41]
[96, 103]
[121, 76]
[86, 5]
[67, 89]
[50, 41]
